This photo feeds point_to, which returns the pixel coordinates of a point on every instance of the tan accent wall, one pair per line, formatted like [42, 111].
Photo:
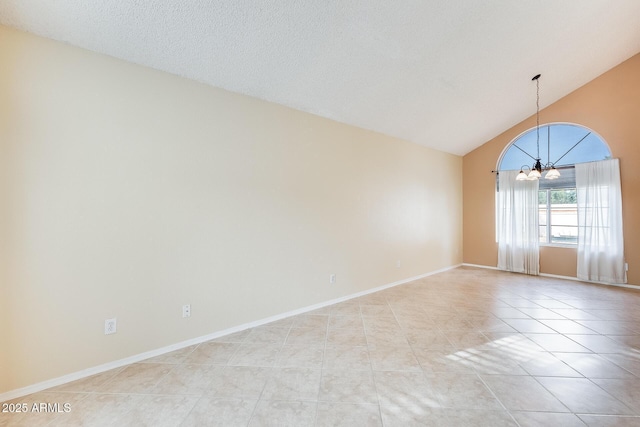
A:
[127, 192]
[609, 105]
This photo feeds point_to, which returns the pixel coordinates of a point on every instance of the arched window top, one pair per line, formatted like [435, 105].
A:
[561, 144]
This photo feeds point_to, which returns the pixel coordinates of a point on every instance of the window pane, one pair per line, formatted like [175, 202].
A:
[565, 235]
[543, 234]
[563, 196]
[542, 215]
[542, 207]
[542, 197]
[564, 216]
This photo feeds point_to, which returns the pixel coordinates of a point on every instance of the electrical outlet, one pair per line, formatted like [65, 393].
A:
[398, 264]
[626, 266]
[110, 326]
[332, 278]
[186, 310]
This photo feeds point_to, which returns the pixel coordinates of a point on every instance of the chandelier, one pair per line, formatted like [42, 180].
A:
[535, 172]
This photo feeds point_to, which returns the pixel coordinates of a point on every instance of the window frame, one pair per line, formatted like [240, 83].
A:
[553, 184]
[548, 225]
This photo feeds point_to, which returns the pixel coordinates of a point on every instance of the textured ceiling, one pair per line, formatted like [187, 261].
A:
[445, 74]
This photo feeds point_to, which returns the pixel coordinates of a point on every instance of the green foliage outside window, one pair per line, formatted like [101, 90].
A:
[563, 196]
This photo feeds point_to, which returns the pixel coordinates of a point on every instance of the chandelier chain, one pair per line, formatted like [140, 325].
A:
[536, 170]
[538, 116]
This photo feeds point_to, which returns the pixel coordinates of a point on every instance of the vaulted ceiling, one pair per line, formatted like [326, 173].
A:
[448, 74]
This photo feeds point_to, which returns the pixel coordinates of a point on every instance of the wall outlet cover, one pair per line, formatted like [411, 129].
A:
[110, 326]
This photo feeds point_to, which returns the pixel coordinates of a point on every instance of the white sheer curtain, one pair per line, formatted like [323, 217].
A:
[517, 224]
[600, 241]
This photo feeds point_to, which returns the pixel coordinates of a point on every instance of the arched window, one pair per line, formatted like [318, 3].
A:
[560, 145]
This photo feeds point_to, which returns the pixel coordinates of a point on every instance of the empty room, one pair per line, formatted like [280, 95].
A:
[284, 213]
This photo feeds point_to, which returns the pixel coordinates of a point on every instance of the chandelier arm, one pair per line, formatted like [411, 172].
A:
[574, 146]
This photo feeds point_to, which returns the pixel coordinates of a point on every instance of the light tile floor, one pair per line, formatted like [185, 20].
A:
[468, 347]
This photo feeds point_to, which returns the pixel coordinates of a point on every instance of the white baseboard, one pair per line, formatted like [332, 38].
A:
[619, 285]
[556, 276]
[160, 351]
[488, 267]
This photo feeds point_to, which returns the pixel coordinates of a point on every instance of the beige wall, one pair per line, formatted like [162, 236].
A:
[4, 332]
[128, 192]
[609, 105]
